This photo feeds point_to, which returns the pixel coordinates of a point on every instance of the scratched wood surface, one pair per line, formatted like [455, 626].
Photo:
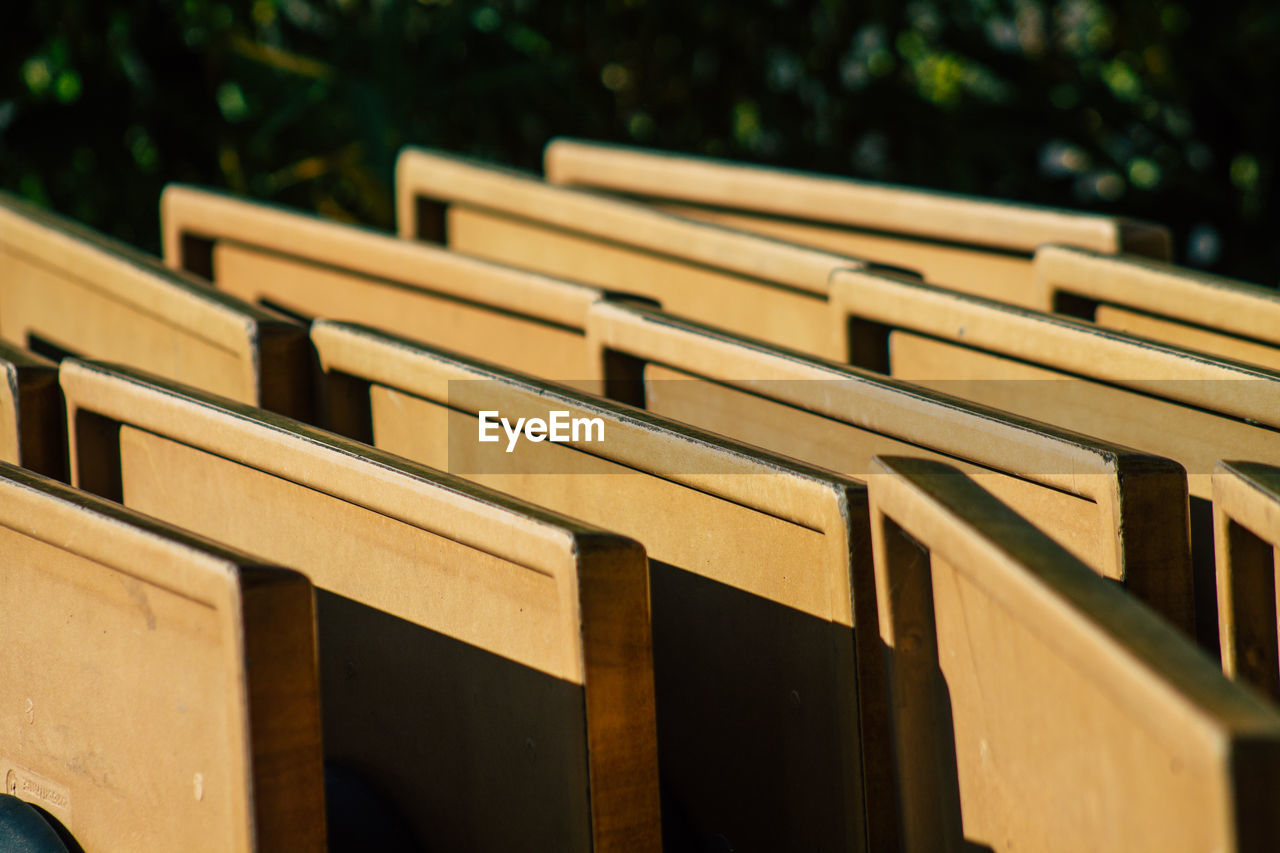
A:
[32, 431]
[976, 245]
[67, 290]
[753, 604]
[1036, 707]
[159, 690]
[485, 663]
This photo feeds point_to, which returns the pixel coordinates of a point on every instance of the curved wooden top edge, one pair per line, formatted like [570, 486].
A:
[452, 179]
[1062, 343]
[1249, 494]
[1140, 660]
[116, 536]
[1030, 449]
[688, 455]
[845, 201]
[1223, 304]
[169, 293]
[198, 212]
[473, 515]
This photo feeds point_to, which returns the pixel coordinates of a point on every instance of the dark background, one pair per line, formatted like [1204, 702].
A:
[1162, 110]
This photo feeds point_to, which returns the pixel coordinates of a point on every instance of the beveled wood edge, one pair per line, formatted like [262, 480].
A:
[801, 494]
[1226, 305]
[1138, 659]
[1090, 350]
[228, 581]
[843, 201]
[516, 531]
[451, 179]
[653, 335]
[143, 282]
[119, 537]
[192, 212]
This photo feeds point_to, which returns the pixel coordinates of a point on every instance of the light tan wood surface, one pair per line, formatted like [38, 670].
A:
[1246, 515]
[67, 290]
[1038, 708]
[750, 284]
[32, 431]
[754, 600]
[1187, 308]
[160, 691]
[1124, 513]
[485, 663]
[317, 268]
[1154, 397]
[976, 245]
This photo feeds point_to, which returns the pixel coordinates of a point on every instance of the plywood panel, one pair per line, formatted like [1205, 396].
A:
[474, 649]
[145, 678]
[1125, 511]
[745, 545]
[75, 291]
[1187, 308]
[1007, 654]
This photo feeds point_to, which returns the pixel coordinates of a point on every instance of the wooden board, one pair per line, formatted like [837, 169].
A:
[317, 268]
[1036, 707]
[753, 557]
[159, 690]
[1246, 517]
[1157, 398]
[976, 245]
[1190, 309]
[32, 431]
[746, 283]
[1123, 513]
[66, 290]
[485, 664]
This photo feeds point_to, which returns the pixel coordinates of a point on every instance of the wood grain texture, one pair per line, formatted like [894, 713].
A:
[1246, 514]
[757, 286]
[454, 622]
[161, 690]
[1187, 308]
[766, 547]
[1124, 513]
[318, 268]
[976, 245]
[1007, 654]
[76, 291]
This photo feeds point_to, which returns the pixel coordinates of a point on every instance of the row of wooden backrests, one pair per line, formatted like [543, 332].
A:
[788, 602]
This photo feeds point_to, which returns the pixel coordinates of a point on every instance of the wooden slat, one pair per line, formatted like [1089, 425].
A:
[317, 268]
[1038, 708]
[67, 290]
[1246, 515]
[976, 245]
[484, 662]
[765, 288]
[1155, 397]
[753, 602]
[32, 431]
[161, 690]
[1123, 512]
[1220, 316]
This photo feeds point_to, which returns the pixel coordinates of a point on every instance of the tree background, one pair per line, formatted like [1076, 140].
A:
[1161, 110]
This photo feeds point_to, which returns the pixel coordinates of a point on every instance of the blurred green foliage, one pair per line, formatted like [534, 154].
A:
[1161, 110]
